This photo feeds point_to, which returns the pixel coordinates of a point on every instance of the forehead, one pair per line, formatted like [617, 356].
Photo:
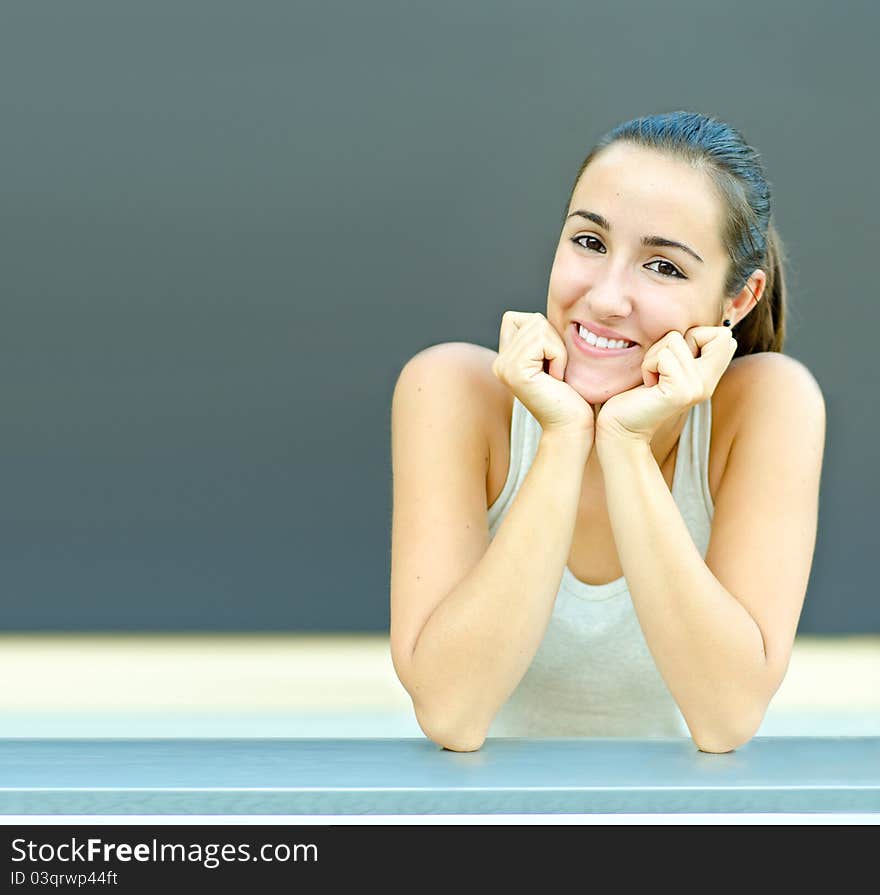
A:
[641, 191]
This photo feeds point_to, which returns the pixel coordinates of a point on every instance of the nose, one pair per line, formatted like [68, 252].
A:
[609, 296]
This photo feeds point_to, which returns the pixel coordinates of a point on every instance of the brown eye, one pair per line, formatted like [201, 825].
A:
[578, 239]
[676, 273]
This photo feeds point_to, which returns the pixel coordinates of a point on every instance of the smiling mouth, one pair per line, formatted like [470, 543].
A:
[596, 350]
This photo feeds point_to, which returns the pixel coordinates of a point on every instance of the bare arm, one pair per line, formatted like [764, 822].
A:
[481, 638]
[721, 629]
[706, 645]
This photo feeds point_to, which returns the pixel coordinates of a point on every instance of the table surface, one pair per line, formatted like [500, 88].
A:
[311, 776]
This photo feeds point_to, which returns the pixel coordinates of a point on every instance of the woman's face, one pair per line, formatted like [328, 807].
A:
[603, 274]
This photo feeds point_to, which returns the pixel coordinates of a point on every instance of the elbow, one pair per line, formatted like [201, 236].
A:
[455, 739]
[716, 745]
[712, 741]
[462, 744]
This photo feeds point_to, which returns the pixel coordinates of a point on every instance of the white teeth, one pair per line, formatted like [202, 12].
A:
[601, 341]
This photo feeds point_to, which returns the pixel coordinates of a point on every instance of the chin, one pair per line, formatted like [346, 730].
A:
[594, 393]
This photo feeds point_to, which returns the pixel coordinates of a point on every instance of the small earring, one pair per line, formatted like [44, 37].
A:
[727, 323]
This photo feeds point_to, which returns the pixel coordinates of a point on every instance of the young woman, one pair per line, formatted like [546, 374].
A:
[596, 538]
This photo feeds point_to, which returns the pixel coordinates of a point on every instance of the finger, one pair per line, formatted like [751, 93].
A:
[701, 341]
[684, 340]
[554, 349]
[691, 374]
[716, 349]
[663, 363]
[649, 361]
[655, 348]
[505, 332]
[684, 348]
[671, 364]
[511, 322]
[700, 336]
[690, 341]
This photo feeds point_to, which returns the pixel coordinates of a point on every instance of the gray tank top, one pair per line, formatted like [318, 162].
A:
[593, 674]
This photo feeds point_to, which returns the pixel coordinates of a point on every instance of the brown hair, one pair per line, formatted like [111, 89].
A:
[750, 236]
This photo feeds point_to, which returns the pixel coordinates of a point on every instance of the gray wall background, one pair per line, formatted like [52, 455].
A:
[227, 225]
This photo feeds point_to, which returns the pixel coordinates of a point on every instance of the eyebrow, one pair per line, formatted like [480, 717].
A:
[646, 240]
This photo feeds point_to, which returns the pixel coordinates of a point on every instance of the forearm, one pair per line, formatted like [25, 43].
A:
[707, 647]
[479, 641]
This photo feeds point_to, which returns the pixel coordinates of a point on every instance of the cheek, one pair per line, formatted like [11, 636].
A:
[568, 274]
[657, 324]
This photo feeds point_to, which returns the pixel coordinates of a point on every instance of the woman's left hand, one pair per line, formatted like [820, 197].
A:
[679, 372]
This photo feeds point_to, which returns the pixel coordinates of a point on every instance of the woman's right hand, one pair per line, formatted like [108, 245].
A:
[526, 343]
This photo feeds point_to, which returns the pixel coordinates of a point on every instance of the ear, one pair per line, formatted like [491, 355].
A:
[748, 297]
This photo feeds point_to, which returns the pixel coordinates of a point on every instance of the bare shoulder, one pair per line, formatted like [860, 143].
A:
[757, 386]
[756, 379]
[478, 399]
[771, 363]
[461, 372]
[461, 362]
